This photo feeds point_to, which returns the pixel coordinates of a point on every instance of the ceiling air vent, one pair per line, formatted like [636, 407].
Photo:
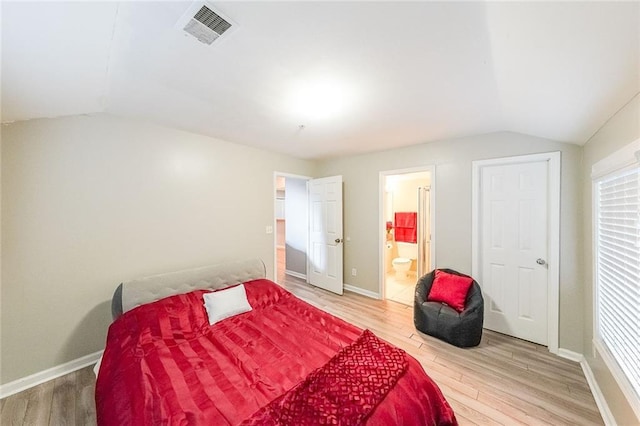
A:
[204, 23]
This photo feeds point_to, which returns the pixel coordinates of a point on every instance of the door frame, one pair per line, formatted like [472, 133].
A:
[553, 232]
[382, 237]
[277, 174]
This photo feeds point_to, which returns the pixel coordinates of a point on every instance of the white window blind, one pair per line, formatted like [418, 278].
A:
[617, 252]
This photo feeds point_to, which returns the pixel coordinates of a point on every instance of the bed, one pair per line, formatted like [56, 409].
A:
[283, 362]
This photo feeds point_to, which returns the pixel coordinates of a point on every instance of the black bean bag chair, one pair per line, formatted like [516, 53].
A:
[462, 329]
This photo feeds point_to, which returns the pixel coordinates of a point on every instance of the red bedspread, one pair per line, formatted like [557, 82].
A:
[164, 363]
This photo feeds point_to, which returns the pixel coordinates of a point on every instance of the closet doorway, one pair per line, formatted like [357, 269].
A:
[291, 226]
[407, 221]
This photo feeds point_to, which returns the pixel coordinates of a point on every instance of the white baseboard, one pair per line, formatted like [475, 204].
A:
[570, 355]
[603, 407]
[296, 274]
[49, 374]
[361, 291]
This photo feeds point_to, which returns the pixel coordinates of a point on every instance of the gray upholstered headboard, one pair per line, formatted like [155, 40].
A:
[134, 293]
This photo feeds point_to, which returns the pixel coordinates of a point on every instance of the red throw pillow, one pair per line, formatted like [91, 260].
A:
[450, 289]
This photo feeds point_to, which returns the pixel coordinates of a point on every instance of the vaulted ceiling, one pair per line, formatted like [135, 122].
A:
[392, 73]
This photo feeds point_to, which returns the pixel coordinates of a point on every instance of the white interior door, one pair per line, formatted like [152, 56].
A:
[513, 242]
[325, 233]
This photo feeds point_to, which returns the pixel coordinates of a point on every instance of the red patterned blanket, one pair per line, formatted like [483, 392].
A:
[343, 391]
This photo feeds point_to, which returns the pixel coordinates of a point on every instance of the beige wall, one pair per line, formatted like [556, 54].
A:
[622, 129]
[405, 198]
[90, 201]
[452, 159]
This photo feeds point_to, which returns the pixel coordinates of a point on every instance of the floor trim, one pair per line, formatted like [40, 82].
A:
[570, 355]
[601, 402]
[36, 379]
[295, 274]
[358, 290]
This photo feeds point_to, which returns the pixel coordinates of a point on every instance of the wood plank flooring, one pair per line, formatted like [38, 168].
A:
[67, 400]
[504, 381]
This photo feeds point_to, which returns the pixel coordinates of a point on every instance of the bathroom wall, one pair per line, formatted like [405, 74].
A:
[390, 250]
[405, 195]
[401, 196]
[405, 199]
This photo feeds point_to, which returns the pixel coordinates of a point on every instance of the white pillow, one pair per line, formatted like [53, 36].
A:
[226, 303]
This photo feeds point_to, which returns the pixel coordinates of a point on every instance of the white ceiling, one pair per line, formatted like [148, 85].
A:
[405, 73]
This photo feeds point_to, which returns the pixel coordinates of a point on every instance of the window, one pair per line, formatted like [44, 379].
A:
[617, 266]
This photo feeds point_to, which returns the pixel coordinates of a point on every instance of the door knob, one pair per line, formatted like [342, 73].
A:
[338, 240]
[540, 262]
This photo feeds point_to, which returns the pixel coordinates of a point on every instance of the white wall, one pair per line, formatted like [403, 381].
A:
[622, 129]
[452, 159]
[90, 201]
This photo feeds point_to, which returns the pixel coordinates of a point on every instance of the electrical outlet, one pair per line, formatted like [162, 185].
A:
[354, 272]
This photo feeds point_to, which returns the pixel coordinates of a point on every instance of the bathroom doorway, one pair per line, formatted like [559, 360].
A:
[407, 223]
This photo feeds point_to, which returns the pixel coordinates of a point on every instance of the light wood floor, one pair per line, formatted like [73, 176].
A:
[503, 381]
[67, 400]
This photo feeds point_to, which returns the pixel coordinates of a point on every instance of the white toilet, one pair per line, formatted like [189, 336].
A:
[402, 264]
